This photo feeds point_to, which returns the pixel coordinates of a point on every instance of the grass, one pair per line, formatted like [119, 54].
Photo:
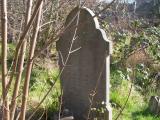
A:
[42, 79]
[136, 107]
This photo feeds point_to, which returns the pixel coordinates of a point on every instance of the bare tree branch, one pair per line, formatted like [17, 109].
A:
[29, 64]
[22, 38]
[20, 66]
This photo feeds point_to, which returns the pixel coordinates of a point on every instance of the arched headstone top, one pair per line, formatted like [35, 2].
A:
[83, 10]
[87, 18]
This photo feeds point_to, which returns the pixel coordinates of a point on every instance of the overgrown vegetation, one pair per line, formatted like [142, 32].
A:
[136, 49]
[136, 52]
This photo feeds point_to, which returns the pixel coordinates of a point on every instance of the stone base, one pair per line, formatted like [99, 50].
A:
[108, 115]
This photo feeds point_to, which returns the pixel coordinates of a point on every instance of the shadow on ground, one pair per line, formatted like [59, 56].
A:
[146, 115]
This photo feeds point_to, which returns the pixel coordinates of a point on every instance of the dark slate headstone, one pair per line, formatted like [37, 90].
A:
[87, 52]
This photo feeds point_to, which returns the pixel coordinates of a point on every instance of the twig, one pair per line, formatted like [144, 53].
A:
[94, 92]
[62, 30]
[60, 104]
[44, 111]
[20, 67]
[129, 94]
[108, 6]
[22, 38]
[65, 63]
[29, 64]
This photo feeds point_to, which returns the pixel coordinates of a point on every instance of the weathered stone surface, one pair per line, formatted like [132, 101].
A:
[154, 105]
[87, 66]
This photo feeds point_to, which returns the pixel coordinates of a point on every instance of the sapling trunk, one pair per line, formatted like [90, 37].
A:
[30, 64]
[20, 65]
[22, 39]
[4, 59]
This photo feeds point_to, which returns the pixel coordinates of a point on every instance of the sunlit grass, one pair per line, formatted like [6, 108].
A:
[136, 107]
[42, 81]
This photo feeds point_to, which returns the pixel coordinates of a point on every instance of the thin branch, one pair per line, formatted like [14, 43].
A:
[47, 23]
[40, 118]
[94, 92]
[103, 10]
[29, 64]
[65, 63]
[20, 67]
[62, 59]
[60, 73]
[129, 94]
[51, 40]
[75, 50]
[62, 30]
[22, 39]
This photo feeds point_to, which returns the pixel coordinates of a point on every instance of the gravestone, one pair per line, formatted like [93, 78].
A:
[84, 59]
[154, 105]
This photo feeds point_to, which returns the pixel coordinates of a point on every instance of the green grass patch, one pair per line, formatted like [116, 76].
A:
[41, 81]
[136, 107]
